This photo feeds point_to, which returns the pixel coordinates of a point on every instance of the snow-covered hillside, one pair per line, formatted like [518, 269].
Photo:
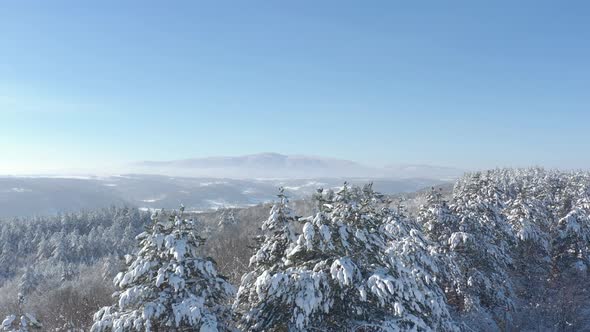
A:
[25, 196]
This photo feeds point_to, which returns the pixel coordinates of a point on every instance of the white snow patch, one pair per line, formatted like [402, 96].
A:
[293, 188]
[218, 204]
[309, 184]
[148, 209]
[153, 200]
[212, 183]
[19, 190]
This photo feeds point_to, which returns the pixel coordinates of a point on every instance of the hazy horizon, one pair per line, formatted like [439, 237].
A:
[263, 165]
[175, 167]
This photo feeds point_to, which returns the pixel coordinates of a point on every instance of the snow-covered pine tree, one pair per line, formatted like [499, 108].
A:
[419, 259]
[28, 282]
[527, 220]
[167, 286]
[572, 243]
[278, 233]
[26, 322]
[478, 243]
[226, 218]
[436, 217]
[530, 226]
[346, 271]
[8, 259]
[572, 229]
[110, 266]
[530, 250]
[570, 284]
[438, 223]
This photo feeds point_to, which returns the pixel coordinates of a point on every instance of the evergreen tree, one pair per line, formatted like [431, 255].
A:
[354, 266]
[572, 243]
[436, 217]
[226, 218]
[26, 322]
[28, 282]
[474, 238]
[167, 286]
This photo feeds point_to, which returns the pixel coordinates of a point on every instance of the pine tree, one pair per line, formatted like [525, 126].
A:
[27, 321]
[531, 231]
[167, 286]
[474, 238]
[24, 324]
[279, 232]
[28, 282]
[436, 217]
[483, 243]
[573, 237]
[226, 218]
[354, 266]
[8, 259]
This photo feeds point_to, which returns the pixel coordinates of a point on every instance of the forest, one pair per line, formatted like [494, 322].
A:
[502, 250]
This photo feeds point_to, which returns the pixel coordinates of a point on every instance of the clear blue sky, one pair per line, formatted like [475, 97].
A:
[88, 84]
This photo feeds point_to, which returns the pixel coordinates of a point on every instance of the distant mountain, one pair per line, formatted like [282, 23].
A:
[26, 196]
[274, 165]
[263, 165]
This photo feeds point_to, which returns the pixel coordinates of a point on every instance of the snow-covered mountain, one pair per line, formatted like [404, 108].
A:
[274, 165]
[263, 165]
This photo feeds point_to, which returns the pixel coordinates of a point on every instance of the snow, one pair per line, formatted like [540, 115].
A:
[326, 233]
[217, 204]
[7, 322]
[149, 209]
[343, 270]
[212, 183]
[307, 185]
[153, 200]
[166, 282]
[399, 309]
[20, 190]
[321, 274]
[458, 238]
[308, 235]
[27, 320]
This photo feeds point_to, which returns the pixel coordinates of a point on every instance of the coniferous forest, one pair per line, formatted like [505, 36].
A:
[503, 250]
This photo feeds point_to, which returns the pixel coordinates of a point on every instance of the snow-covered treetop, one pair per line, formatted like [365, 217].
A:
[354, 265]
[24, 324]
[227, 218]
[167, 285]
[497, 217]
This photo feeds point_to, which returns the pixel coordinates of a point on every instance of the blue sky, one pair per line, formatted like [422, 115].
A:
[471, 84]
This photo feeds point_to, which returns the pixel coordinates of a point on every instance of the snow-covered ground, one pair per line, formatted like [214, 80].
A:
[37, 195]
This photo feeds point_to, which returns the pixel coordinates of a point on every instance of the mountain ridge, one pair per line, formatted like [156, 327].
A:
[276, 165]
